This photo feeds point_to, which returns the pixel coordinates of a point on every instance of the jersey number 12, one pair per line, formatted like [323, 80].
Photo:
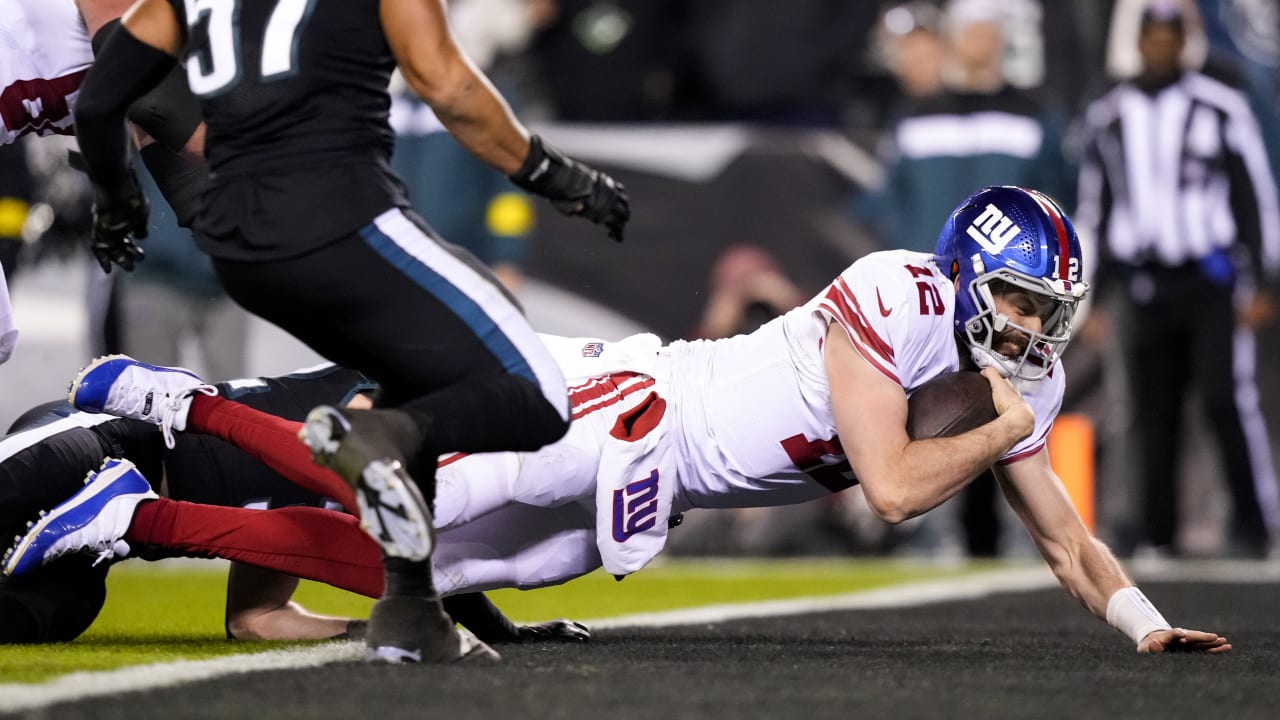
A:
[221, 67]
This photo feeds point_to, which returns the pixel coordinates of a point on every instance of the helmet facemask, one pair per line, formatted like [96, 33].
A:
[1003, 239]
[988, 329]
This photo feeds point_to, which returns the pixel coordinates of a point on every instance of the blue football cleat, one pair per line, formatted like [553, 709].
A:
[121, 386]
[94, 519]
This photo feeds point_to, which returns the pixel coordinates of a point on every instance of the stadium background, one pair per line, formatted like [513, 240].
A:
[729, 126]
[717, 162]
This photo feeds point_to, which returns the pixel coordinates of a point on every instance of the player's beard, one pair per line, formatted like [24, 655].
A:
[1011, 343]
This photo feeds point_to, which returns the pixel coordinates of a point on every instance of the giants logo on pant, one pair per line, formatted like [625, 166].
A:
[635, 507]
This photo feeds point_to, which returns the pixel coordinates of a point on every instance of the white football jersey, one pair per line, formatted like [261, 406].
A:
[748, 422]
[44, 55]
[755, 425]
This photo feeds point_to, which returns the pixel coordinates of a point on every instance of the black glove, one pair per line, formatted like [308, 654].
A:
[119, 222]
[574, 188]
[554, 631]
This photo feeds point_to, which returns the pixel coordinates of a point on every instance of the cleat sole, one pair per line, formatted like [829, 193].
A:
[393, 512]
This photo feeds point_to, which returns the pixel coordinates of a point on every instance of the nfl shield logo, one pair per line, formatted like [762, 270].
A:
[592, 349]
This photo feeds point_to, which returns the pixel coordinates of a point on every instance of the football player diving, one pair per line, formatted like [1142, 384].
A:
[808, 404]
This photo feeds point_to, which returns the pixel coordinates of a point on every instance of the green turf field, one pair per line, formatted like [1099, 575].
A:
[161, 612]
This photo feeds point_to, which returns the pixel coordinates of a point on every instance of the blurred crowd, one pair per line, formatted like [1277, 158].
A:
[948, 96]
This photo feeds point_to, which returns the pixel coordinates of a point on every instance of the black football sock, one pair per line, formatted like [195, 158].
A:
[408, 578]
[478, 614]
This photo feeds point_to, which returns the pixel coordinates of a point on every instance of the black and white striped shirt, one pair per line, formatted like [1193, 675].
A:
[1172, 175]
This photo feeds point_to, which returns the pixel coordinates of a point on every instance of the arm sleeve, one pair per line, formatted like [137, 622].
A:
[170, 112]
[125, 70]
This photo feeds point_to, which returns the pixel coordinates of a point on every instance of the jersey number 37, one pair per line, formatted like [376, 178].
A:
[210, 74]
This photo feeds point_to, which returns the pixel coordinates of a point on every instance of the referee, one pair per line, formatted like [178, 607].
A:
[1176, 187]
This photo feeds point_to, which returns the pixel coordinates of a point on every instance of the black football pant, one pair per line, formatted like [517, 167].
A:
[428, 323]
[1184, 337]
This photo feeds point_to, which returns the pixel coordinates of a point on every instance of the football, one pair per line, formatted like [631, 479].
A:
[949, 404]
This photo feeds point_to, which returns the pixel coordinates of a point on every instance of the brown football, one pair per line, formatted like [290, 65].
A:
[950, 404]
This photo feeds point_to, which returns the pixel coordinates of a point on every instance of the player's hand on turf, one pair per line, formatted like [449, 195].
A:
[1009, 402]
[574, 188]
[555, 631]
[119, 222]
[1181, 640]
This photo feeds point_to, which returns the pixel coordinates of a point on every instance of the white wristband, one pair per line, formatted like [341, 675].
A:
[1130, 612]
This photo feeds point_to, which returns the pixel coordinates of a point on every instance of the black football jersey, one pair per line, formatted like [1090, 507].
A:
[294, 95]
[288, 83]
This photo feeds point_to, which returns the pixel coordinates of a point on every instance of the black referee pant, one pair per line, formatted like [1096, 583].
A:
[1182, 334]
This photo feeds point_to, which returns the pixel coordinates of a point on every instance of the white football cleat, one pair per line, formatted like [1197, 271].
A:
[121, 386]
[95, 519]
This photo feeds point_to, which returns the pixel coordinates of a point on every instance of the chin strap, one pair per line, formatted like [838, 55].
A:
[984, 358]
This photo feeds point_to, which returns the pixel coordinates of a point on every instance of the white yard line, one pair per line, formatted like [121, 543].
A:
[16, 697]
[1214, 571]
[908, 595]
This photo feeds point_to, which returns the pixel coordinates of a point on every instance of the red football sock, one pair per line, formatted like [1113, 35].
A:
[306, 542]
[271, 439]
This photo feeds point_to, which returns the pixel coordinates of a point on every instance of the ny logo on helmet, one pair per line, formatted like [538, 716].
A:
[992, 230]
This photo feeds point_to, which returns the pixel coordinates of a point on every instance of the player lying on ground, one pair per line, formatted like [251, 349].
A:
[45, 461]
[793, 411]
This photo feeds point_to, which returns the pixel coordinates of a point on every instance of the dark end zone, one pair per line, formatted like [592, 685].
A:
[1034, 655]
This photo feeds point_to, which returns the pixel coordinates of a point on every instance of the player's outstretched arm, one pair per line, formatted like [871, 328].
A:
[1085, 566]
[902, 478]
[479, 118]
[259, 608]
[441, 74]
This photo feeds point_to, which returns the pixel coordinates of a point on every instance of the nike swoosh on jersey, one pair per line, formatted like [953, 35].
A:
[884, 312]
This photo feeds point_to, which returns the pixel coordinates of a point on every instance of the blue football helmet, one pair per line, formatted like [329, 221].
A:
[1003, 236]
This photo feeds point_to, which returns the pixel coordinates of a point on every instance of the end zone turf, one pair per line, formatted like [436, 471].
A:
[159, 612]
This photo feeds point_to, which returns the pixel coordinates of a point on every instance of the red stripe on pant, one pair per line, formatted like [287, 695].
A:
[271, 439]
[321, 545]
